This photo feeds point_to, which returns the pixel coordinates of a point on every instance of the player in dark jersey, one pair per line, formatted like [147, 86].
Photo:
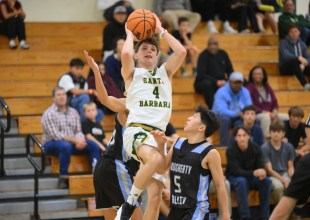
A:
[298, 191]
[193, 163]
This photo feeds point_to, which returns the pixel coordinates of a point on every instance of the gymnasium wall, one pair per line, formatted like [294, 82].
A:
[86, 10]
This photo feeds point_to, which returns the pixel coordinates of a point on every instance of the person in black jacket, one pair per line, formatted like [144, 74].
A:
[213, 69]
[109, 12]
[245, 171]
[115, 29]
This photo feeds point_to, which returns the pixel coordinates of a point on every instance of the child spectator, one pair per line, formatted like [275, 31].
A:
[249, 118]
[264, 99]
[76, 87]
[13, 15]
[184, 35]
[294, 128]
[92, 129]
[279, 157]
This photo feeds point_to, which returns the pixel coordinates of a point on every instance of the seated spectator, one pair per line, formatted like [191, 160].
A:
[228, 104]
[113, 64]
[242, 13]
[249, 118]
[294, 128]
[115, 29]
[109, 5]
[294, 57]
[76, 88]
[92, 129]
[289, 18]
[184, 35]
[62, 135]
[208, 9]
[267, 15]
[308, 14]
[13, 15]
[109, 84]
[279, 160]
[171, 10]
[264, 99]
[213, 69]
[245, 171]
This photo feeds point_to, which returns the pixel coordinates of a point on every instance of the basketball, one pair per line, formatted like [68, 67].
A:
[141, 23]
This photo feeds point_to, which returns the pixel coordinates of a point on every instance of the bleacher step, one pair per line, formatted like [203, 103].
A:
[44, 206]
[29, 193]
[29, 171]
[19, 163]
[27, 184]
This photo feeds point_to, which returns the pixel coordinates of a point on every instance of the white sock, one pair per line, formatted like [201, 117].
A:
[134, 195]
[22, 42]
[226, 24]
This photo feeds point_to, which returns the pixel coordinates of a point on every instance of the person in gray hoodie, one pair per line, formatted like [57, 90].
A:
[294, 57]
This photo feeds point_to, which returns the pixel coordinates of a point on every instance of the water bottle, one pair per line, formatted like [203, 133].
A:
[212, 216]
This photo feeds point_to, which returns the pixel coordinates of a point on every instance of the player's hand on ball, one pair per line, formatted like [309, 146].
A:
[159, 137]
[158, 27]
[129, 33]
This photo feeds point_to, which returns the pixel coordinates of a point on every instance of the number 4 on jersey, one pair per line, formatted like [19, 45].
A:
[156, 93]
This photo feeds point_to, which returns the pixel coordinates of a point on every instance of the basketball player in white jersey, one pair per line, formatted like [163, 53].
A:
[149, 101]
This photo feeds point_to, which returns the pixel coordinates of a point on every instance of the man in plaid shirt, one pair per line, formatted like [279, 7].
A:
[62, 135]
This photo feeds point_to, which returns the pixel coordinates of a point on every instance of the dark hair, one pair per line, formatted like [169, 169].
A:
[249, 108]
[242, 127]
[265, 79]
[76, 62]
[209, 119]
[293, 25]
[55, 89]
[296, 111]
[277, 126]
[115, 42]
[91, 72]
[153, 41]
[182, 19]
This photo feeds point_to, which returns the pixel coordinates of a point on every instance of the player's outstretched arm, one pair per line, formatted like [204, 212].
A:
[128, 64]
[213, 161]
[115, 104]
[175, 61]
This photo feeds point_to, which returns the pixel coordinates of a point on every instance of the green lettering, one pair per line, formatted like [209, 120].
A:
[154, 81]
[165, 104]
[141, 103]
[145, 103]
[151, 103]
[156, 93]
[150, 81]
[160, 105]
[155, 103]
[144, 80]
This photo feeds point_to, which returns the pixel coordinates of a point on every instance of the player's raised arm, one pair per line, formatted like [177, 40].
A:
[175, 61]
[128, 64]
[115, 104]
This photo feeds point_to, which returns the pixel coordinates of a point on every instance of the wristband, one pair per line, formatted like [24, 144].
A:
[161, 35]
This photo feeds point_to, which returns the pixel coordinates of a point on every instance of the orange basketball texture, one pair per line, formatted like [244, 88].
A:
[141, 23]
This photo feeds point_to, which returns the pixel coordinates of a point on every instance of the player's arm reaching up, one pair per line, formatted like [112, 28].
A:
[175, 61]
[128, 64]
[115, 104]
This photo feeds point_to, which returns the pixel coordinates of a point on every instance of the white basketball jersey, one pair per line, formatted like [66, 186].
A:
[149, 98]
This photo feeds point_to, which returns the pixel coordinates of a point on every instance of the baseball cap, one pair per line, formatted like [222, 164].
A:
[236, 76]
[120, 9]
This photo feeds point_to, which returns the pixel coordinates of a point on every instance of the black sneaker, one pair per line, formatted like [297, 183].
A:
[125, 212]
[63, 183]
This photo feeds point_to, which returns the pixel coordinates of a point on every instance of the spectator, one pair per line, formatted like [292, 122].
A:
[13, 15]
[245, 171]
[294, 57]
[267, 15]
[208, 9]
[76, 88]
[113, 64]
[92, 129]
[171, 10]
[279, 160]
[62, 135]
[228, 104]
[184, 35]
[108, 82]
[288, 18]
[115, 29]
[242, 12]
[109, 5]
[294, 128]
[249, 118]
[308, 14]
[213, 68]
[264, 99]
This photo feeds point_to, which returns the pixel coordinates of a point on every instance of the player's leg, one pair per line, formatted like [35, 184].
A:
[154, 190]
[284, 208]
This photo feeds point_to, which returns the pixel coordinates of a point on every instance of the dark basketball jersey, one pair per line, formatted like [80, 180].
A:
[189, 180]
[115, 149]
